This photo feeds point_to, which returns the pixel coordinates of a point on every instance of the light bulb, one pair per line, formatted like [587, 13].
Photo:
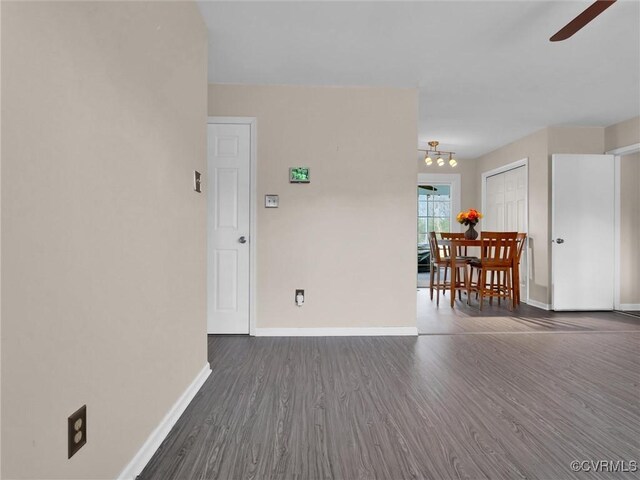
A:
[453, 162]
[428, 160]
[440, 161]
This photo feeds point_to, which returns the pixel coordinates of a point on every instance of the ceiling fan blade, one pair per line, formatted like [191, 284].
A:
[581, 20]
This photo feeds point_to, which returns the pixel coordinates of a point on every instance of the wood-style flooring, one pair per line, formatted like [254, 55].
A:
[473, 406]
[463, 318]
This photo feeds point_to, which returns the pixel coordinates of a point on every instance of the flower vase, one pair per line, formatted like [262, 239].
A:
[471, 233]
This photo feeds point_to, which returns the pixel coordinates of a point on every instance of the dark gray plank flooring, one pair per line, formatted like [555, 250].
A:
[496, 318]
[434, 407]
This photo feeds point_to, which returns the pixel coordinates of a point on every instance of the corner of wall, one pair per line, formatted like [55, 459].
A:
[622, 134]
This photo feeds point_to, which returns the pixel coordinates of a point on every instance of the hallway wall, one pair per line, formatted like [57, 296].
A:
[103, 237]
[349, 237]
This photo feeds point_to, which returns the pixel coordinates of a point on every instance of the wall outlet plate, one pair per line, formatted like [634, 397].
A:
[271, 201]
[77, 430]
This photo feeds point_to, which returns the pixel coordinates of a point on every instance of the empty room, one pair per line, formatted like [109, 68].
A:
[319, 239]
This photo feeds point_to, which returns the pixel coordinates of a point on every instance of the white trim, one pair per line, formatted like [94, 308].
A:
[140, 460]
[549, 241]
[253, 212]
[617, 236]
[337, 332]
[535, 303]
[523, 162]
[455, 181]
[629, 149]
[630, 307]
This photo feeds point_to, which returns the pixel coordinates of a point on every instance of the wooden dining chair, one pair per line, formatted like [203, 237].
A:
[460, 251]
[439, 262]
[497, 255]
[520, 243]
[489, 234]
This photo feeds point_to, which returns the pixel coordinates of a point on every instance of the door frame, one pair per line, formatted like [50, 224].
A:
[253, 206]
[523, 162]
[453, 179]
[617, 154]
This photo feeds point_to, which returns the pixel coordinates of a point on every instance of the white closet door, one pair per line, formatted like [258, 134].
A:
[494, 217]
[506, 209]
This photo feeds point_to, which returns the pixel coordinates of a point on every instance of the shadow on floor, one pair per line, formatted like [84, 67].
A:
[465, 319]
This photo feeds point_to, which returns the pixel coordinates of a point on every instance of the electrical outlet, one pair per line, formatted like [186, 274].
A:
[77, 430]
[299, 298]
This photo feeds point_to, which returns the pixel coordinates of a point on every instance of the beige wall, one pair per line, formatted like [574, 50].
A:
[538, 148]
[535, 148]
[103, 239]
[576, 140]
[349, 237]
[630, 230]
[622, 134]
[619, 135]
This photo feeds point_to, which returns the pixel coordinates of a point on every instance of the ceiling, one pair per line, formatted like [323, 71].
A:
[486, 71]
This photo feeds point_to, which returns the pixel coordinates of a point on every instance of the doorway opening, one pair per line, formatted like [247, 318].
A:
[438, 197]
[434, 215]
[626, 231]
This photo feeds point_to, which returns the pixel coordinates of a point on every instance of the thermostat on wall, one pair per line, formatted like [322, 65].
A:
[299, 175]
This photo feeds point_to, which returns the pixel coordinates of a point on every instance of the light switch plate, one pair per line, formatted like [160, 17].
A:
[196, 181]
[271, 201]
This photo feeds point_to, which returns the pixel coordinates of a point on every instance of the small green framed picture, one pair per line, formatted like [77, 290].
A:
[299, 175]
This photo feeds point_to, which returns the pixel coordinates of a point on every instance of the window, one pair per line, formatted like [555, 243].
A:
[434, 210]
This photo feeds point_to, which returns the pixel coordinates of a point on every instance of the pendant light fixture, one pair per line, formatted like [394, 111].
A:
[438, 154]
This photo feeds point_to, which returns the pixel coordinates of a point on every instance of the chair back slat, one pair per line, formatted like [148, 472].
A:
[520, 241]
[433, 246]
[461, 250]
[498, 248]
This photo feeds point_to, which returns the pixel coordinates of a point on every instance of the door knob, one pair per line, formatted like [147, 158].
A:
[242, 239]
[559, 240]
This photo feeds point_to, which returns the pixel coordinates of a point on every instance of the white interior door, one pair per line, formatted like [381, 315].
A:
[582, 222]
[228, 221]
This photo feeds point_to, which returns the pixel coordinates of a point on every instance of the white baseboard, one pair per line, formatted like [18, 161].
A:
[140, 460]
[629, 307]
[535, 303]
[336, 332]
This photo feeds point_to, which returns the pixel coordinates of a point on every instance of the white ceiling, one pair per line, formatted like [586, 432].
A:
[486, 71]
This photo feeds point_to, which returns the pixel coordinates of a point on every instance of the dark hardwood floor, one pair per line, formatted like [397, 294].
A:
[438, 407]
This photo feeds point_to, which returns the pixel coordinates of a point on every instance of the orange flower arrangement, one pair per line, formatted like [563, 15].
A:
[470, 217]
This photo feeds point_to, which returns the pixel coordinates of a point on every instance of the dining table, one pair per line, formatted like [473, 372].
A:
[463, 243]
